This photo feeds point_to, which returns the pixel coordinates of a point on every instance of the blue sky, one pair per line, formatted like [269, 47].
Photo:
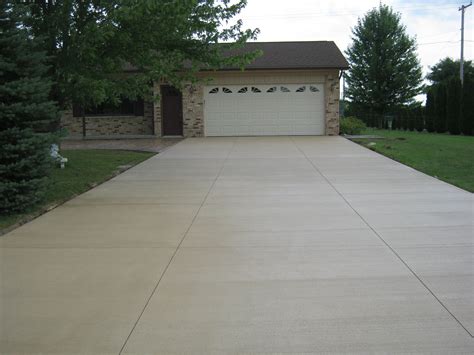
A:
[436, 24]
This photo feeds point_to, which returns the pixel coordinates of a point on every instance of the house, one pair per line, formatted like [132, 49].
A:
[292, 89]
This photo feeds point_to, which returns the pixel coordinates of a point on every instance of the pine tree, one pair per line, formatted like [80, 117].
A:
[385, 71]
[24, 107]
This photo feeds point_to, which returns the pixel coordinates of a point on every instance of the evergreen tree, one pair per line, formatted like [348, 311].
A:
[468, 106]
[24, 106]
[439, 94]
[453, 105]
[429, 111]
[385, 72]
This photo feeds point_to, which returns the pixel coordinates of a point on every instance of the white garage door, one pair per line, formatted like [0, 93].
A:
[258, 110]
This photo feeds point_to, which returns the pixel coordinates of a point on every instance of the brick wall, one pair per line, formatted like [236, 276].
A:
[110, 125]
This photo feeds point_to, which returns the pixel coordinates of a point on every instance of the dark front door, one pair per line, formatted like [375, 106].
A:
[172, 111]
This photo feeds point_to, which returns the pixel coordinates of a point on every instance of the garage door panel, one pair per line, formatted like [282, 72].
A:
[263, 109]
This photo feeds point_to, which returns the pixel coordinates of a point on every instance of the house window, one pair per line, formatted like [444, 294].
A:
[301, 89]
[313, 89]
[214, 91]
[284, 89]
[242, 90]
[125, 108]
[272, 89]
[227, 90]
[254, 89]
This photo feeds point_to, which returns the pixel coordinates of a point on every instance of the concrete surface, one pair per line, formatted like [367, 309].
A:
[247, 245]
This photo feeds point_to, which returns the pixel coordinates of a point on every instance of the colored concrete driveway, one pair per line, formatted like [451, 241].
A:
[247, 245]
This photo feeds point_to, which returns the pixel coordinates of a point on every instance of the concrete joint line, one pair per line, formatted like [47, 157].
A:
[384, 242]
[176, 251]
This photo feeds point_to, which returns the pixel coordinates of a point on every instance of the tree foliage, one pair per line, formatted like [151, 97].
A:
[447, 68]
[385, 72]
[24, 107]
[93, 41]
[453, 105]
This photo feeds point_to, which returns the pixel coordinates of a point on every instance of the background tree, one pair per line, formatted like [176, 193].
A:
[447, 68]
[467, 123]
[439, 95]
[453, 105]
[93, 41]
[430, 112]
[24, 108]
[385, 72]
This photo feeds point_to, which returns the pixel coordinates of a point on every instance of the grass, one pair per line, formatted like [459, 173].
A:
[446, 157]
[84, 170]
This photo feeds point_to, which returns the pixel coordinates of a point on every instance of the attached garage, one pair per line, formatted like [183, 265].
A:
[291, 89]
[264, 109]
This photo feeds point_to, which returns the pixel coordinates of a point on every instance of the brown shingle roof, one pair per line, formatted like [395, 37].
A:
[295, 55]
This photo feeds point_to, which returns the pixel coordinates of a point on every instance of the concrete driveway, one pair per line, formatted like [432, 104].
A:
[247, 245]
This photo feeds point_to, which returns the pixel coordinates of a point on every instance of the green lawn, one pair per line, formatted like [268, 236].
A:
[85, 169]
[449, 158]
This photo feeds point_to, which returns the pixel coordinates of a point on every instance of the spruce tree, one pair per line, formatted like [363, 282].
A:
[24, 108]
[385, 71]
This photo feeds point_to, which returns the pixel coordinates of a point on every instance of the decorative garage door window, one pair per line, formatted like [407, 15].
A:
[258, 89]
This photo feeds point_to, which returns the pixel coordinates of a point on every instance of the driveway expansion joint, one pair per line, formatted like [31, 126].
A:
[176, 251]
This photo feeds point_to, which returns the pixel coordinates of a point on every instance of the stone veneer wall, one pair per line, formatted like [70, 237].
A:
[193, 111]
[331, 99]
[73, 125]
[110, 125]
[157, 110]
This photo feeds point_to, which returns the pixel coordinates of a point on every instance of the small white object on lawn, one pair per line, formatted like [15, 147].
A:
[54, 152]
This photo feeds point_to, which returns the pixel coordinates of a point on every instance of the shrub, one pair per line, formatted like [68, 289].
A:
[352, 125]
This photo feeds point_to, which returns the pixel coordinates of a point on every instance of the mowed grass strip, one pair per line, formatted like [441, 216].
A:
[447, 157]
[84, 170]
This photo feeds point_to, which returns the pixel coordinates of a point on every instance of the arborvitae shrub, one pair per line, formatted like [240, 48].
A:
[453, 105]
